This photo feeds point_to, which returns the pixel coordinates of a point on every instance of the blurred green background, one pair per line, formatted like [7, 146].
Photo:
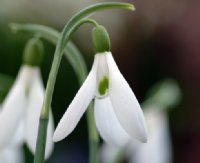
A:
[161, 39]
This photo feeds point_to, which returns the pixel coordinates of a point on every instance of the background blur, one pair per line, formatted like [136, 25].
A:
[161, 39]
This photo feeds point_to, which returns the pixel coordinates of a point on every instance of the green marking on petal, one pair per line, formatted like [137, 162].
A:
[103, 86]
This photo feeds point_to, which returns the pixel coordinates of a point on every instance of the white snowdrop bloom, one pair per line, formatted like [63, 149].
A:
[22, 106]
[117, 112]
[158, 148]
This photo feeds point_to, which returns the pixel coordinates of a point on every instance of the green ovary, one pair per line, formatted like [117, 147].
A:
[103, 86]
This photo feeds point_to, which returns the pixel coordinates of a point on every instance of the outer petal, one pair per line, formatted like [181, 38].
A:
[78, 106]
[18, 138]
[32, 117]
[107, 123]
[14, 106]
[125, 104]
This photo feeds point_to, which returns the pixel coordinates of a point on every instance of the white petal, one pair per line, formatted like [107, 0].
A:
[12, 155]
[32, 118]
[125, 104]
[77, 106]
[13, 108]
[107, 123]
[18, 138]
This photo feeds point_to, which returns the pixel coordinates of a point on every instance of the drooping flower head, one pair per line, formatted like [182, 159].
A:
[22, 105]
[117, 112]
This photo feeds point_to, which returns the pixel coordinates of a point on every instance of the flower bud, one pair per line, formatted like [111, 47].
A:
[33, 52]
[100, 39]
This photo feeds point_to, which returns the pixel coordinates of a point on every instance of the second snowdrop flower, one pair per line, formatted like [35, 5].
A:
[22, 106]
[117, 112]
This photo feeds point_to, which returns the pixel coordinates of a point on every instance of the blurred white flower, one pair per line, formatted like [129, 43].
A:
[111, 154]
[117, 112]
[158, 149]
[13, 153]
[21, 109]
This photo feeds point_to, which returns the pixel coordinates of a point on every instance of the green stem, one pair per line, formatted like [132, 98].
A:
[41, 141]
[55, 66]
[40, 147]
[88, 11]
[93, 136]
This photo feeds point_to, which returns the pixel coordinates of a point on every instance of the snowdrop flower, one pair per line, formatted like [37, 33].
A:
[117, 112]
[22, 106]
[13, 152]
[158, 149]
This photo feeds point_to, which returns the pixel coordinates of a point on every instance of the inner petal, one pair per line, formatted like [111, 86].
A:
[107, 123]
[102, 76]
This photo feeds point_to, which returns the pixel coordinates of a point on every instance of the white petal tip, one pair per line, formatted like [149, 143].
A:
[56, 137]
